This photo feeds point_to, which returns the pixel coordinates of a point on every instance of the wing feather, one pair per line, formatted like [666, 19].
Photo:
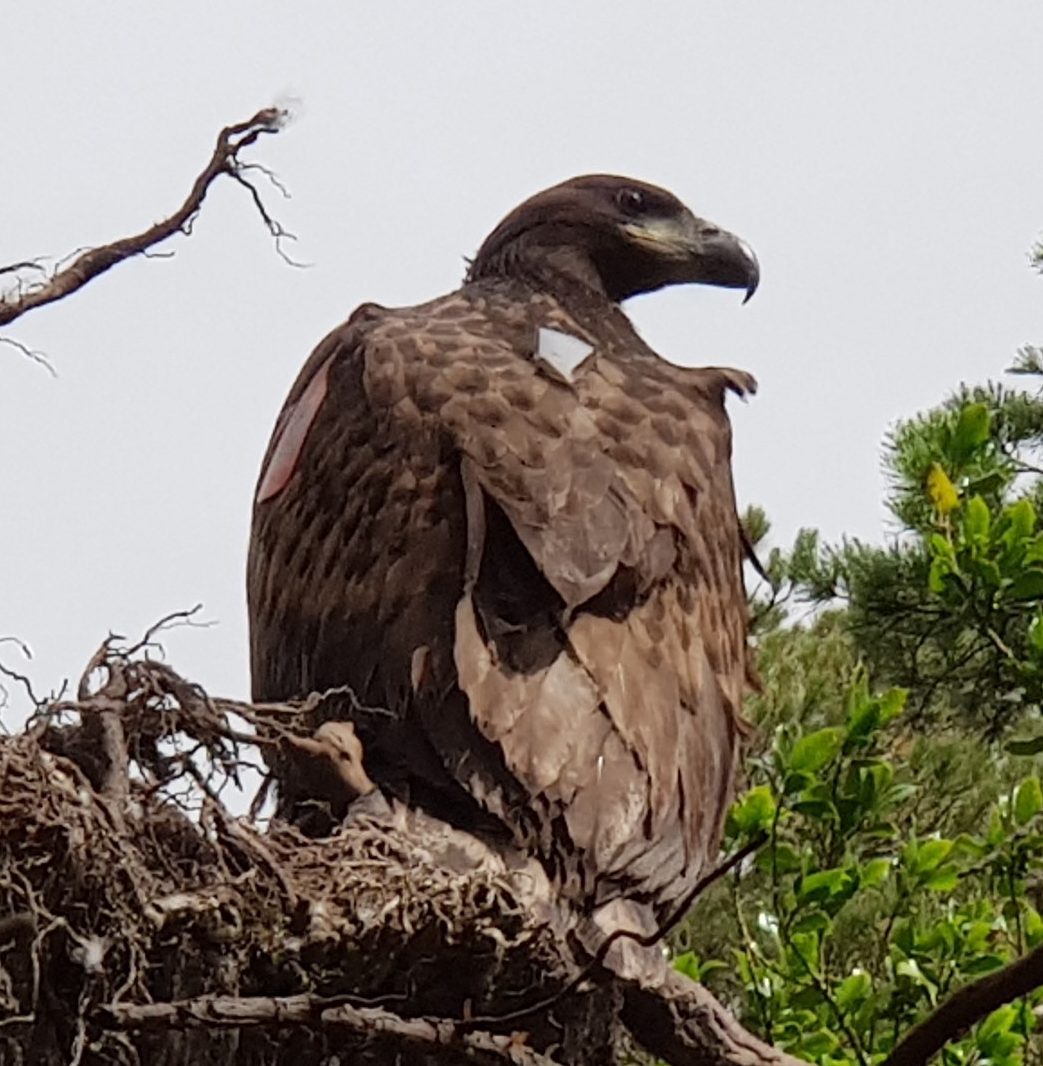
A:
[438, 440]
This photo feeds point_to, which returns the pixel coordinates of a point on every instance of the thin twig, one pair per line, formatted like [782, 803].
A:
[25, 264]
[29, 353]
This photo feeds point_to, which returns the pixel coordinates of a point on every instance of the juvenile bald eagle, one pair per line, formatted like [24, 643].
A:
[504, 519]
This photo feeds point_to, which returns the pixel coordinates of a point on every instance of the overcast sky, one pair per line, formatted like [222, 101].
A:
[884, 159]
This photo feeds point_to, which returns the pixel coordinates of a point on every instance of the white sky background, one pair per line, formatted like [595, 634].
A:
[884, 159]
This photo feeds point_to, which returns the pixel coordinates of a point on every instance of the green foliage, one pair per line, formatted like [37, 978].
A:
[951, 610]
[852, 923]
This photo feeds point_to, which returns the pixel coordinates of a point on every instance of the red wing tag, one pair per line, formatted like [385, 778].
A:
[287, 448]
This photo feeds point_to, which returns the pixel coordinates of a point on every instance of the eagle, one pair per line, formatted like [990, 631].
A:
[506, 528]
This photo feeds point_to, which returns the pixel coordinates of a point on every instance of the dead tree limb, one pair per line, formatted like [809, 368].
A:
[94, 261]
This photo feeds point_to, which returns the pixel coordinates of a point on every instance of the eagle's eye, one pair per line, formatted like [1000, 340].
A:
[632, 201]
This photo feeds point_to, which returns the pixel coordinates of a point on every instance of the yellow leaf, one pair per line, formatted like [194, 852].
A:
[941, 491]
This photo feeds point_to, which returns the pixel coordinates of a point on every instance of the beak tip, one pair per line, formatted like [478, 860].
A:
[753, 271]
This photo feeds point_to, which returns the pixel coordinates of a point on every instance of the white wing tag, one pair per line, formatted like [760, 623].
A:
[562, 352]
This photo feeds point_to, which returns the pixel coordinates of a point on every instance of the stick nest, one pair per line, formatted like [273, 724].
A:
[143, 923]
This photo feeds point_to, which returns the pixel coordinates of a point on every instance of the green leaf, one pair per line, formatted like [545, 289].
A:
[755, 811]
[999, 1021]
[820, 810]
[692, 966]
[1028, 800]
[863, 718]
[910, 968]
[943, 880]
[985, 963]
[805, 947]
[903, 937]
[796, 782]
[987, 572]
[1028, 585]
[1033, 925]
[875, 872]
[972, 430]
[866, 716]
[853, 991]
[996, 833]
[900, 793]
[815, 921]
[987, 483]
[1022, 520]
[782, 858]
[814, 750]
[824, 884]
[939, 571]
[818, 1044]
[874, 785]
[976, 520]
[930, 855]
[942, 547]
[892, 703]
[688, 964]
[1035, 634]
[1034, 550]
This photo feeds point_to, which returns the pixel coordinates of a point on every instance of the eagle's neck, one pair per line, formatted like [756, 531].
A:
[568, 276]
[567, 270]
[551, 258]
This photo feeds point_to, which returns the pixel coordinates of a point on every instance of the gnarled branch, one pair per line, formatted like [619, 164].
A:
[94, 261]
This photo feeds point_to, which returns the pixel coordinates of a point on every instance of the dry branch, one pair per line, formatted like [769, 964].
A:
[88, 264]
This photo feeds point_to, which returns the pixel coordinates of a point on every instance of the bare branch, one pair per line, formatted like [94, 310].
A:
[94, 261]
[274, 227]
[25, 264]
[15, 675]
[966, 1007]
[174, 620]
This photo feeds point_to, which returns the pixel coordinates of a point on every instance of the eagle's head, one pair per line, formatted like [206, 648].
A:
[622, 235]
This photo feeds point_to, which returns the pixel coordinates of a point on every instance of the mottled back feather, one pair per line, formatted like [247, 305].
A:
[538, 577]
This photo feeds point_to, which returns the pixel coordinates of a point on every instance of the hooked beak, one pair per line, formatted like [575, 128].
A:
[700, 251]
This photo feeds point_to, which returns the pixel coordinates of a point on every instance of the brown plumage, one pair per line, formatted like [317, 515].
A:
[533, 566]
